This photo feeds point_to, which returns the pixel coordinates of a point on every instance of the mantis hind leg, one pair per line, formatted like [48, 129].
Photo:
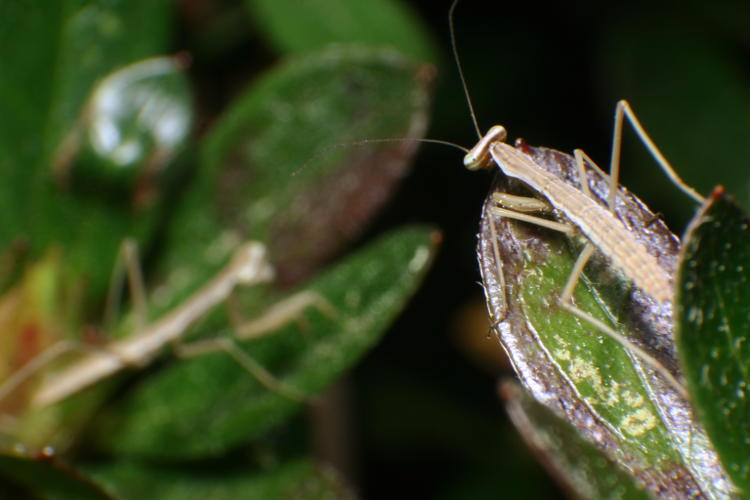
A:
[566, 298]
[566, 302]
[623, 110]
[290, 309]
[127, 264]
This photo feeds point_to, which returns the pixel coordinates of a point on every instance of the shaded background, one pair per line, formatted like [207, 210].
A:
[424, 417]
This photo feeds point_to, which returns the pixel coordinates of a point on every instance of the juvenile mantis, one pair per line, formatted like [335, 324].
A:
[564, 360]
[248, 266]
[601, 228]
[555, 357]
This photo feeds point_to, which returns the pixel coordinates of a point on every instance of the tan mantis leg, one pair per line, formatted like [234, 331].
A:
[566, 298]
[289, 309]
[248, 266]
[127, 264]
[622, 110]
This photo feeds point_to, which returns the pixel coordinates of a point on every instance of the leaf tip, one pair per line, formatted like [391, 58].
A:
[426, 74]
[436, 237]
[183, 60]
[718, 192]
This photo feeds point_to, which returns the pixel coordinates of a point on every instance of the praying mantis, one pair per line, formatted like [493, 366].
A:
[603, 231]
[248, 266]
[615, 227]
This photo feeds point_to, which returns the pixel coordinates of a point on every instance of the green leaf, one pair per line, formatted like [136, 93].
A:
[44, 478]
[713, 325]
[205, 405]
[312, 214]
[266, 174]
[604, 390]
[602, 371]
[52, 56]
[136, 121]
[98, 38]
[294, 479]
[567, 455]
[113, 166]
[311, 25]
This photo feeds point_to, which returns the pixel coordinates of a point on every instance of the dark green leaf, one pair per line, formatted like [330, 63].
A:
[297, 479]
[113, 166]
[135, 122]
[569, 457]
[203, 406]
[266, 174]
[243, 192]
[29, 32]
[311, 25]
[98, 38]
[52, 56]
[713, 324]
[44, 478]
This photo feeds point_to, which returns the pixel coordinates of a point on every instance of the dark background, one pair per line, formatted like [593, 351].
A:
[424, 419]
[551, 74]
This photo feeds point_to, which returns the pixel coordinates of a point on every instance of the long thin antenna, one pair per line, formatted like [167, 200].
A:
[365, 142]
[460, 69]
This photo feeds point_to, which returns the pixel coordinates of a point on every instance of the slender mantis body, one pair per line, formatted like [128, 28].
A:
[248, 266]
[602, 229]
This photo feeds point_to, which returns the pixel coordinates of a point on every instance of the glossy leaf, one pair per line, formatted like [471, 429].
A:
[201, 243]
[280, 166]
[318, 23]
[205, 405]
[52, 56]
[569, 457]
[292, 479]
[135, 123]
[43, 477]
[713, 318]
[601, 388]
[29, 31]
[110, 169]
